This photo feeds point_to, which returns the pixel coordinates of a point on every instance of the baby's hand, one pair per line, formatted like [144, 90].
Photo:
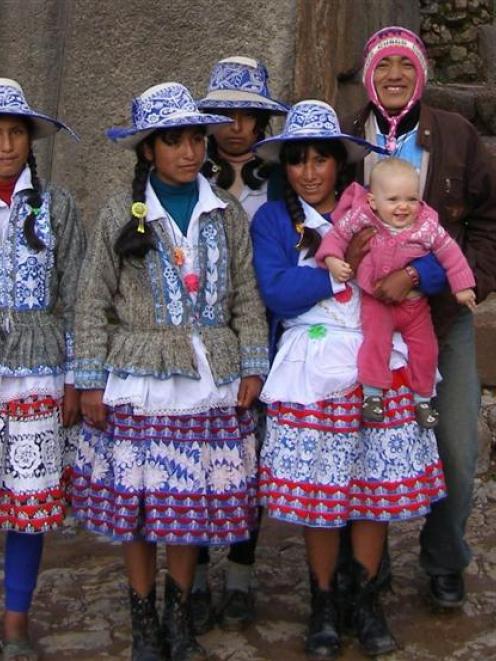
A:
[341, 270]
[466, 297]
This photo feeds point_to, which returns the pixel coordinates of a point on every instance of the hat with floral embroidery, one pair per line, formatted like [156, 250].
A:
[313, 120]
[164, 106]
[13, 102]
[240, 83]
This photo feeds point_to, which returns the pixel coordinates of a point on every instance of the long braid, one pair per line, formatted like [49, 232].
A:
[35, 201]
[131, 242]
[310, 239]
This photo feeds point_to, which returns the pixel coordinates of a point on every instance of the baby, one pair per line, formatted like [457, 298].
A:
[406, 228]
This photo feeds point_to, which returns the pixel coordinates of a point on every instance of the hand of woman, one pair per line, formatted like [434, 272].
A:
[394, 288]
[249, 389]
[93, 408]
[358, 247]
[71, 408]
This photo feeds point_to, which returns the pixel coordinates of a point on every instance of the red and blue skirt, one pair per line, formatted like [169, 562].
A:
[321, 467]
[177, 479]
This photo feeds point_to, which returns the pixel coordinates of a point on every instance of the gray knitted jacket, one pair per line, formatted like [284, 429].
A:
[155, 314]
[38, 289]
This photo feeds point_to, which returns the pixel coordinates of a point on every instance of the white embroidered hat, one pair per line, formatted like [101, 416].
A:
[13, 102]
[164, 106]
[240, 83]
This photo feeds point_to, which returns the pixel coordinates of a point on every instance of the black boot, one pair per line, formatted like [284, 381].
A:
[368, 617]
[323, 637]
[177, 627]
[145, 629]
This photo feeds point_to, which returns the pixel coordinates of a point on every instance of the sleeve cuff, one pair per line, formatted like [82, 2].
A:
[90, 375]
[254, 361]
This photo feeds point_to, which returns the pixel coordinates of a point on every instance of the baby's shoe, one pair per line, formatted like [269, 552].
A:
[373, 409]
[425, 415]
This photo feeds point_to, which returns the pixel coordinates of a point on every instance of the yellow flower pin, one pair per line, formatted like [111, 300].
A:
[138, 210]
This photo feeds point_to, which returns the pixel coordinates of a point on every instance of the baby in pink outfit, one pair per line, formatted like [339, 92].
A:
[406, 228]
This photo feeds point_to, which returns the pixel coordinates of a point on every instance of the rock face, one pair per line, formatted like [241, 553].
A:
[450, 31]
[485, 328]
[330, 35]
[85, 61]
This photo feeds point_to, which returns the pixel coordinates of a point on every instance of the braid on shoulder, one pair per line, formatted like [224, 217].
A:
[311, 238]
[35, 201]
[130, 242]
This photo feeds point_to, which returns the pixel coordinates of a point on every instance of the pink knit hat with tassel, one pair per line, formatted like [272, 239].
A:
[394, 40]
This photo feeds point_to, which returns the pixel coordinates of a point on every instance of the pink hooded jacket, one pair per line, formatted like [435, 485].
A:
[390, 252]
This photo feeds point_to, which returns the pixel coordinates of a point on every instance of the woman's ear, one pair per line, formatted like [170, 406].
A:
[148, 152]
[371, 201]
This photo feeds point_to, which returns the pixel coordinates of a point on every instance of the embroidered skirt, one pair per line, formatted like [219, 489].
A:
[35, 455]
[320, 468]
[178, 479]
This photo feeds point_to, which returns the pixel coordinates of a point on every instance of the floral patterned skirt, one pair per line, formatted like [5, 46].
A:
[321, 468]
[178, 479]
[35, 455]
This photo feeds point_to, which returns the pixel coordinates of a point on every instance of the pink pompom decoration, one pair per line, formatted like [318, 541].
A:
[191, 282]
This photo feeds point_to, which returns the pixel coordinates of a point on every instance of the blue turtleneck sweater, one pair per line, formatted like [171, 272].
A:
[179, 201]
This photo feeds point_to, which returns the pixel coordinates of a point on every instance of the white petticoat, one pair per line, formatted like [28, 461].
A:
[174, 396]
[317, 353]
[21, 387]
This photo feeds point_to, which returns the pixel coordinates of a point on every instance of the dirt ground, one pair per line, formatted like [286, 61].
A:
[80, 609]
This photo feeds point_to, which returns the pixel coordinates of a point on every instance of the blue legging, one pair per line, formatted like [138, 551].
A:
[22, 562]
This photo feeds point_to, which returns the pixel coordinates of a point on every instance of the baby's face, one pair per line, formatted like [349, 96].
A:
[395, 198]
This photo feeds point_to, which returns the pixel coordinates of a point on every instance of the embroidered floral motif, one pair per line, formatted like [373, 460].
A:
[24, 273]
[238, 76]
[213, 263]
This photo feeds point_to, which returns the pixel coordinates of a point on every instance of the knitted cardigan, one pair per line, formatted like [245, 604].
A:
[155, 314]
[38, 289]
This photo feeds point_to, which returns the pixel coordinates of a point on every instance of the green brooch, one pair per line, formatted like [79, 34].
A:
[317, 332]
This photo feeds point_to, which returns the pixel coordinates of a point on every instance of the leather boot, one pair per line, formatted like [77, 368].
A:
[323, 637]
[368, 618]
[145, 629]
[177, 626]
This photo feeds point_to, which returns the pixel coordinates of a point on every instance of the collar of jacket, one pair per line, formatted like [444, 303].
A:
[424, 135]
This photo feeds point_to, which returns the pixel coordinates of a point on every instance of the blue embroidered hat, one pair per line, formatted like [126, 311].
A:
[164, 106]
[313, 120]
[13, 102]
[240, 83]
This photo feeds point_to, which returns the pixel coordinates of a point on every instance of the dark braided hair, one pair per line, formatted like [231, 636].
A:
[35, 201]
[253, 173]
[130, 242]
[293, 153]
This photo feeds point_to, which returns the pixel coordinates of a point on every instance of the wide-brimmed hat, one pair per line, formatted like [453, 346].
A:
[164, 106]
[240, 83]
[13, 102]
[313, 120]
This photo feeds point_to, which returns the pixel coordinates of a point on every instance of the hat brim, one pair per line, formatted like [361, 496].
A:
[356, 148]
[129, 138]
[274, 107]
[43, 125]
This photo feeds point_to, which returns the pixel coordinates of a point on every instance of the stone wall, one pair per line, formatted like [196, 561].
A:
[450, 31]
[85, 59]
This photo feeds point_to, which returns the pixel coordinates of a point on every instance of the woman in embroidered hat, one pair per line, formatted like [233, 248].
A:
[320, 467]
[238, 88]
[168, 448]
[42, 247]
